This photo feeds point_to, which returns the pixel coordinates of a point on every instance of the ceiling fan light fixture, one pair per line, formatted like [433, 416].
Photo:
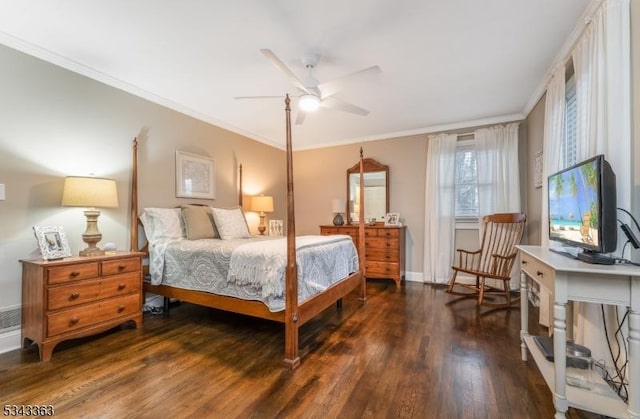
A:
[309, 102]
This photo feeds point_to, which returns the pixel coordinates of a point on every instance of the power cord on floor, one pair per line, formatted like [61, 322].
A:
[152, 309]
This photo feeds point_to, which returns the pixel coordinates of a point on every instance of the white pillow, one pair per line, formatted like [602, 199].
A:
[162, 223]
[231, 223]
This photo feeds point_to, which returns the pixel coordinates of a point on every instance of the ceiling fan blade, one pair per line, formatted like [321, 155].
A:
[335, 103]
[332, 87]
[300, 117]
[258, 97]
[282, 67]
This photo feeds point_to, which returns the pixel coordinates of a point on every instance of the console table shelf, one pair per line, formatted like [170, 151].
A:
[601, 399]
[572, 280]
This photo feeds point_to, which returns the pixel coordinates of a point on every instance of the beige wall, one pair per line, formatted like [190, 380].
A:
[635, 105]
[55, 123]
[321, 175]
[535, 137]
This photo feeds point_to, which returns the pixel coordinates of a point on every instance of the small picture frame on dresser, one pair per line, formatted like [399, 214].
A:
[276, 228]
[392, 219]
[52, 242]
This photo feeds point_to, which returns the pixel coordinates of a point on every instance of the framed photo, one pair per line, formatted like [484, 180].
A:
[537, 169]
[276, 227]
[52, 242]
[195, 176]
[392, 219]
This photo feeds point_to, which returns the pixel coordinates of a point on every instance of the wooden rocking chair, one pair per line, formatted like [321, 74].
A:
[494, 260]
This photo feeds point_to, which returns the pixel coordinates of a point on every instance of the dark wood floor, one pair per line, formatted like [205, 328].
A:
[415, 352]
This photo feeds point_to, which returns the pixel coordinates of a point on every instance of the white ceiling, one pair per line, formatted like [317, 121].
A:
[444, 64]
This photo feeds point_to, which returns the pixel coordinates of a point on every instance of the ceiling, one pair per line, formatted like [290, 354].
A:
[445, 64]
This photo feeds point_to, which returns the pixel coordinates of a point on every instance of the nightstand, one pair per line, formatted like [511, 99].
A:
[79, 296]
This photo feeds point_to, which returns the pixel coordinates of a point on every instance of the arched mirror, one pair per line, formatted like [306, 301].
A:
[376, 191]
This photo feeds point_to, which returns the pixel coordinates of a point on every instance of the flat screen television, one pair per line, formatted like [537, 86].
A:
[582, 209]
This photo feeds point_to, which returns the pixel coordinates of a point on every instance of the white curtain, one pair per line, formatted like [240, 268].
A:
[439, 208]
[498, 176]
[554, 110]
[554, 131]
[602, 70]
[498, 169]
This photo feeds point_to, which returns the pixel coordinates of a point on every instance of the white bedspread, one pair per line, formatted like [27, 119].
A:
[252, 269]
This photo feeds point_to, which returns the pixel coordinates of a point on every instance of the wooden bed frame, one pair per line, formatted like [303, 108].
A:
[294, 314]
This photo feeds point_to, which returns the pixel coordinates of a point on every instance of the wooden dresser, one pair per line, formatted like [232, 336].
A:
[79, 296]
[384, 248]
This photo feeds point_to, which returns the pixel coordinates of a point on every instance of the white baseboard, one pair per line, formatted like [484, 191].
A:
[413, 276]
[9, 341]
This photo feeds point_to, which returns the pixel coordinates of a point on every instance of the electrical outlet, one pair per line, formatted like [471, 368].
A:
[1, 191]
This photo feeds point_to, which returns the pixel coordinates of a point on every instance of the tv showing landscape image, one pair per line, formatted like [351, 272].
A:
[573, 204]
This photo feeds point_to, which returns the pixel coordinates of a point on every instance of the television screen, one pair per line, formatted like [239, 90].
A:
[582, 206]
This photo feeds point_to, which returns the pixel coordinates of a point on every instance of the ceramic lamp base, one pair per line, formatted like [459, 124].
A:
[338, 220]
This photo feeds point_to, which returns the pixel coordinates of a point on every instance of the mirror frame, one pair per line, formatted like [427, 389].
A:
[368, 165]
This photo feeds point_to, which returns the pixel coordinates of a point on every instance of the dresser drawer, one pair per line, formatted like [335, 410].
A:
[392, 233]
[370, 232]
[383, 255]
[329, 231]
[91, 314]
[87, 291]
[381, 243]
[381, 269]
[61, 274]
[120, 266]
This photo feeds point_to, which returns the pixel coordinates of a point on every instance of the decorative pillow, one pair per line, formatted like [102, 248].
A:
[231, 223]
[198, 222]
[162, 223]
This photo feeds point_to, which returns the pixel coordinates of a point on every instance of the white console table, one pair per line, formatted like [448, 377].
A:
[572, 280]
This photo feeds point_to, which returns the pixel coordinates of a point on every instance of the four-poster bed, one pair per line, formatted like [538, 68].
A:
[295, 313]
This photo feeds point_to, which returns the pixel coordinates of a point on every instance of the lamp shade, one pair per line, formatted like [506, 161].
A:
[337, 206]
[89, 192]
[262, 203]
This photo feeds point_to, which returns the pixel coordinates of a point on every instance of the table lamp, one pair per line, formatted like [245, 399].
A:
[262, 204]
[337, 207]
[90, 192]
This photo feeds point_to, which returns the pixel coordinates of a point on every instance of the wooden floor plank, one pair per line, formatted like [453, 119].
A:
[412, 352]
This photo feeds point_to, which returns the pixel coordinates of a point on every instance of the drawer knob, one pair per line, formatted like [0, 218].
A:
[540, 274]
[74, 295]
[121, 308]
[73, 320]
[121, 286]
[74, 274]
[121, 267]
[524, 262]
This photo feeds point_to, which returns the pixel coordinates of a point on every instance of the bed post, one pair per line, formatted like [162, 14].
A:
[291, 356]
[240, 188]
[361, 221]
[134, 199]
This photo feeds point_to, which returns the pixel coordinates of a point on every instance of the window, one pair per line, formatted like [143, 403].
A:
[568, 146]
[466, 180]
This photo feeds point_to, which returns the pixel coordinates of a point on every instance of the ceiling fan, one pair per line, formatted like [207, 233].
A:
[315, 94]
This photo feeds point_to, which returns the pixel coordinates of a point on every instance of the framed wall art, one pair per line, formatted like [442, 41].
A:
[537, 169]
[195, 176]
[52, 242]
